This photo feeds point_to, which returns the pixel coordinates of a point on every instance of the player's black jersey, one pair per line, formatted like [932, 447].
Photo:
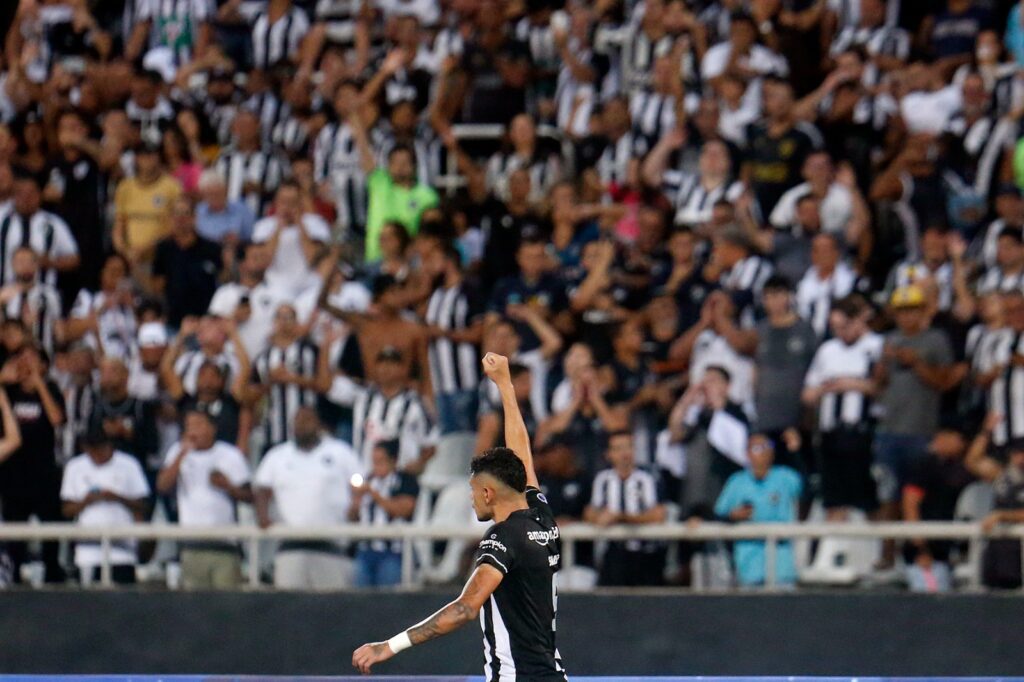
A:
[519, 619]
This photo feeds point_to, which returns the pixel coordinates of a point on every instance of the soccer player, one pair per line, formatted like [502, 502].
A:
[513, 587]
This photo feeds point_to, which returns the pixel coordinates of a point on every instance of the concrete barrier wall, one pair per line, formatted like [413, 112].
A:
[651, 634]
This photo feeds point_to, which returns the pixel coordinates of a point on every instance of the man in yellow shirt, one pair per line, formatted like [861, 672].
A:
[143, 207]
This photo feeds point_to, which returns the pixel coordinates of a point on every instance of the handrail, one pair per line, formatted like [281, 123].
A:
[253, 536]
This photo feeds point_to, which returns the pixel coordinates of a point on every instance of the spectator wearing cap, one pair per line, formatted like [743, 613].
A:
[144, 363]
[32, 301]
[715, 432]
[186, 266]
[129, 423]
[1007, 274]
[26, 224]
[762, 493]
[389, 410]
[308, 479]
[386, 497]
[142, 208]
[29, 477]
[105, 319]
[914, 372]
[104, 487]
[290, 373]
[218, 218]
[210, 478]
[786, 345]
[840, 386]
[930, 493]
[295, 239]
[941, 266]
[828, 279]
[627, 494]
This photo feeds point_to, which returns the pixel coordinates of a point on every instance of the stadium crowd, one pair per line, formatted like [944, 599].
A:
[750, 258]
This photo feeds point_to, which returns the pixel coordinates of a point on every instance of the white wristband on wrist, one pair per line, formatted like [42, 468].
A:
[400, 642]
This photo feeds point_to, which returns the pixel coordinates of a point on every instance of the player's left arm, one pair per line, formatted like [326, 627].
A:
[452, 616]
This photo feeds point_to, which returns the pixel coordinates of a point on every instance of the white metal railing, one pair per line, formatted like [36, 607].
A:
[452, 180]
[252, 536]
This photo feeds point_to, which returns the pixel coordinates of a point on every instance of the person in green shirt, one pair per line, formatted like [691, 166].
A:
[395, 194]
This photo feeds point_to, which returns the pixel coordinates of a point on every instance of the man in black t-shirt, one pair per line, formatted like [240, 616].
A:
[516, 562]
[186, 267]
[29, 478]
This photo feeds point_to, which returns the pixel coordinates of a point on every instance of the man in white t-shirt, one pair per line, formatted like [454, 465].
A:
[309, 480]
[295, 238]
[251, 301]
[210, 477]
[103, 487]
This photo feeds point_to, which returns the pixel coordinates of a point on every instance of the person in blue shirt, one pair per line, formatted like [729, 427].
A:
[217, 218]
[762, 493]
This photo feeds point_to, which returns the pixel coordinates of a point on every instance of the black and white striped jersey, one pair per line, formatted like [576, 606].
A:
[1006, 394]
[998, 280]
[186, 367]
[260, 168]
[877, 41]
[339, 19]
[834, 360]
[613, 164]
[117, 325]
[78, 406]
[291, 133]
[431, 156]
[545, 170]
[376, 417]
[654, 113]
[975, 150]
[691, 201]
[336, 160]
[269, 109]
[395, 484]
[749, 274]
[47, 234]
[453, 366]
[575, 99]
[150, 122]
[519, 619]
[277, 42]
[39, 308]
[635, 494]
[815, 295]
[300, 358]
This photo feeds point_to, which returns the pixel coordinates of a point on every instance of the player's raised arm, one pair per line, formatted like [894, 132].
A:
[455, 614]
[517, 438]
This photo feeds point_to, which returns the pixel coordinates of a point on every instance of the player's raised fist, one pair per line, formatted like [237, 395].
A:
[496, 367]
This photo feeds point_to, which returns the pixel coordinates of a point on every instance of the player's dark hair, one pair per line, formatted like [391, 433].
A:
[504, 465]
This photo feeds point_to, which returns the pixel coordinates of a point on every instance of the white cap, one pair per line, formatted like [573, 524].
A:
[152, 335]
[161, 60]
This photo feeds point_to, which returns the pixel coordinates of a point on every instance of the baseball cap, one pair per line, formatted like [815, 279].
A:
[910, 296]
[152, 335]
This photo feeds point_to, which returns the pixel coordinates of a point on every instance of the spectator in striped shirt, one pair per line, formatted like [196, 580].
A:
[387, 496]
[626, 494]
